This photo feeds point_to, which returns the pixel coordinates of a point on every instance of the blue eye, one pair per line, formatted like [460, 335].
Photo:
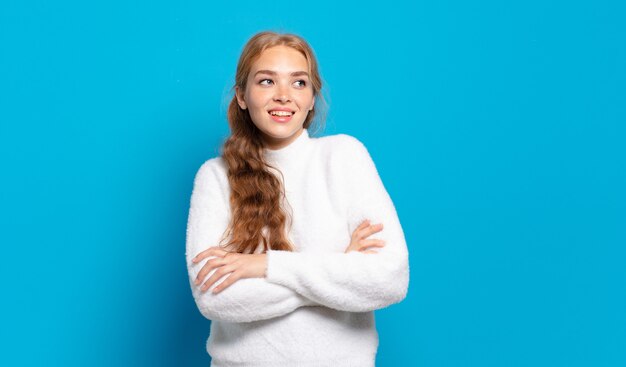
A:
[263, 81]
[302, 83]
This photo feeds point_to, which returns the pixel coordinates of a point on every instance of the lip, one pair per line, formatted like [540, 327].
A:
[281, 109]
[281, 119]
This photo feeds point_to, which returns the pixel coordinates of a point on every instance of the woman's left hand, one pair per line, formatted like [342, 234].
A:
[233, 264]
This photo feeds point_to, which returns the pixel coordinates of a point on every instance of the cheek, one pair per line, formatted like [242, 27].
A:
[305, 100]
[257, 96]
[302, 95]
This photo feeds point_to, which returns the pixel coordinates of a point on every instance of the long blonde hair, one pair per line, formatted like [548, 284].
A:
[255, 192]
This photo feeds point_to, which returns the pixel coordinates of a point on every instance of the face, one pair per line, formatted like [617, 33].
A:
[278, 95]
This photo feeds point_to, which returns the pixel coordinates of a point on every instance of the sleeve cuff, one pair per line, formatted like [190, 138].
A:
[278, 264]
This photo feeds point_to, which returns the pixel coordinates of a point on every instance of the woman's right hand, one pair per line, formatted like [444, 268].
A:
[358, 241]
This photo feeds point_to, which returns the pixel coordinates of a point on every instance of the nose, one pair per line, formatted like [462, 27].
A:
[282, 95]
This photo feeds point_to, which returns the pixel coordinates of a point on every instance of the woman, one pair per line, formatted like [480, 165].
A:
[282, 252]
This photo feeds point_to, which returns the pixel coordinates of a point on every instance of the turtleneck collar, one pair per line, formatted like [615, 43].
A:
[290, 152]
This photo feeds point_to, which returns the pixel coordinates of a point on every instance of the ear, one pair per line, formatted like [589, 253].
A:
[240, 100]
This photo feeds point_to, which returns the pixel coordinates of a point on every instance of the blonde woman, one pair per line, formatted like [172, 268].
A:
[292, 241]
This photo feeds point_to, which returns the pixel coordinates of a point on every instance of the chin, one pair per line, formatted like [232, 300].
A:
[283, 131]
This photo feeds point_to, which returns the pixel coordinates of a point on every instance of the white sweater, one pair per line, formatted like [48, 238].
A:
[315, 305]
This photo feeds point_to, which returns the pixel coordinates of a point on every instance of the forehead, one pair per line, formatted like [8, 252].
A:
[281, 59]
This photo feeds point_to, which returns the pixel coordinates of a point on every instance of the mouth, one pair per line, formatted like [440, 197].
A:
[281, 116]
[280, 113]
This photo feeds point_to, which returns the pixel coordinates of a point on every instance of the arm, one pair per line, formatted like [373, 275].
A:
[246, 300]
[355, 281]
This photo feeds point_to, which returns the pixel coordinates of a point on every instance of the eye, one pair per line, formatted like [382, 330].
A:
[301, 83]
[265, 81]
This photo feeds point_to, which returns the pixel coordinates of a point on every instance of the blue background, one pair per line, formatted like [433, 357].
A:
[497, 127]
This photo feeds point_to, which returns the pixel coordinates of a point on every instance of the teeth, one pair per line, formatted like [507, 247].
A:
[280, 113]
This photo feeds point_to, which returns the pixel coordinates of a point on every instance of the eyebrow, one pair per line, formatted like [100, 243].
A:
[270, 72]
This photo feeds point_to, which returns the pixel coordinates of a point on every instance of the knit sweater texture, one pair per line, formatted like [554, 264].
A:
[315, 307]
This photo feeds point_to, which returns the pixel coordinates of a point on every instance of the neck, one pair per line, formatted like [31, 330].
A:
[289, 152]
[277, 144]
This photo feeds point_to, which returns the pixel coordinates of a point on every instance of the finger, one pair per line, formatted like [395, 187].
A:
[364, 224]
[204, 254]
[369, 252]
[368, 230]
[219, 273]
[211, 251]
[233, 277]
[371, 243]
[361, 226]
[374, 228]
[210, 265]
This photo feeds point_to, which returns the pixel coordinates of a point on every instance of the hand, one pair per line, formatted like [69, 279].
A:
[233, 264]
[359, 243]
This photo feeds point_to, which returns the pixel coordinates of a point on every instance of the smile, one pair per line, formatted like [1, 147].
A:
[281, 113]
[281, 116]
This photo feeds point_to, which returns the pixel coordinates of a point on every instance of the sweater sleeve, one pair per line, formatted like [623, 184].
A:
[355, 281]
[248, 299]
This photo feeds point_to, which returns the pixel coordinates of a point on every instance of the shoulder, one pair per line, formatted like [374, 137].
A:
[343, 145]
[340, 140]
[347, 156]
[212, 170]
